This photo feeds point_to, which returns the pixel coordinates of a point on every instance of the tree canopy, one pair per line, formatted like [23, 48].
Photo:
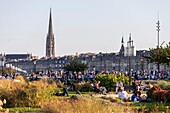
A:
[75, 66]
[160, 55]
[7, 71]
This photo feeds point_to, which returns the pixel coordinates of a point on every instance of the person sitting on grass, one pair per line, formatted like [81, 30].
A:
[65, 92]
[123, 95]
[141, 85]
[134, 84]
[138, 92]
[148, 86]
[134, 97]
[118, 84]
[100, 89]
[139, 95]
[103, 90]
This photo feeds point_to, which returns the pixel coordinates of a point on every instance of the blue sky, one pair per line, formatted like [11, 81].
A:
[81, 25]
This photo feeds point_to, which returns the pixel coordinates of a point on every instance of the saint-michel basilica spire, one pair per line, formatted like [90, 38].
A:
[50, 44]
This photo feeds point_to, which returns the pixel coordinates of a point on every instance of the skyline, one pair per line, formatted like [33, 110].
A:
[81, 26]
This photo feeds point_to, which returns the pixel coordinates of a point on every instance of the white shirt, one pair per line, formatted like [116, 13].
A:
[122, 95]
[119, 84]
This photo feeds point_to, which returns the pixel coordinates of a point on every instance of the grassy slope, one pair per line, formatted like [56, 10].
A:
[71, 93]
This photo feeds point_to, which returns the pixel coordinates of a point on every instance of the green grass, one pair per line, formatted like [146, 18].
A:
[152, 106]
[148, 103]
[141, 106]
[23, 109]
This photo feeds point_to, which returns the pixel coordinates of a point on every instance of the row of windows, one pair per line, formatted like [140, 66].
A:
[59, 65]
[60, 62]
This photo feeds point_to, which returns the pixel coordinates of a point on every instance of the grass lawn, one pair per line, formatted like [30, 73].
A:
[152, 106]
[149, 104]
[23, 109]
[141, 105]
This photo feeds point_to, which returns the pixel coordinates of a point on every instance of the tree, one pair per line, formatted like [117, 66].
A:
[11, 71]
[159, 55]
[7, 71]
[75, 66]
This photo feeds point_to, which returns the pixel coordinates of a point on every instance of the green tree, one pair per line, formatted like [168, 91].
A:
[159, 55]
[7, 71]
[11, 71]
[75, 66]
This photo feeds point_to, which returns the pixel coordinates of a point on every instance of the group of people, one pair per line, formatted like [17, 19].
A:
[97, 88]
[153, 75]
[136, 87]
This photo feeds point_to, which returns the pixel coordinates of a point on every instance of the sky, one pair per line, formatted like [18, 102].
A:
[81, 25]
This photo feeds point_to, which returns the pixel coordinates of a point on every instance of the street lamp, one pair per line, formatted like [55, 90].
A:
[142, 65]
[158, 30]
[101, 61]
[119, 62]
[143, 60]
[34, 66]
[129, 65]
[136, 66]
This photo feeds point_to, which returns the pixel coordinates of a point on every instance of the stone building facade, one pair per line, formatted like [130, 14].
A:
[126, 60]
[99, 62]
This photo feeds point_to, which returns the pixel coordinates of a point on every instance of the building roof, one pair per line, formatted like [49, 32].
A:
[17, 56]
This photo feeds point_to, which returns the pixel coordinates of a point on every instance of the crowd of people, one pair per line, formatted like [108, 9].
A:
[8, 76]
[153, 75]
[137, 85]
[90, 75]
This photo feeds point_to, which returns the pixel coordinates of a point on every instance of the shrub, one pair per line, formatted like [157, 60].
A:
[20, 78]
[109, 80]
[20, 94]
[86, 87]
[60, 84]
[11, 91]
[162, 83]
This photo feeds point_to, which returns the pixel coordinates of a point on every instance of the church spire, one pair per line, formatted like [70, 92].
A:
[121, 52]
[129, 37]
[50, 43]
[122, 40]
[50, 30]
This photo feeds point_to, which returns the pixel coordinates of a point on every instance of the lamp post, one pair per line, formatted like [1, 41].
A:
[143, 60]
[136, 66]
[158, 29]
[101, 61]
[129, 65]
[34, 66]
[119, 63]
[142, 65]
